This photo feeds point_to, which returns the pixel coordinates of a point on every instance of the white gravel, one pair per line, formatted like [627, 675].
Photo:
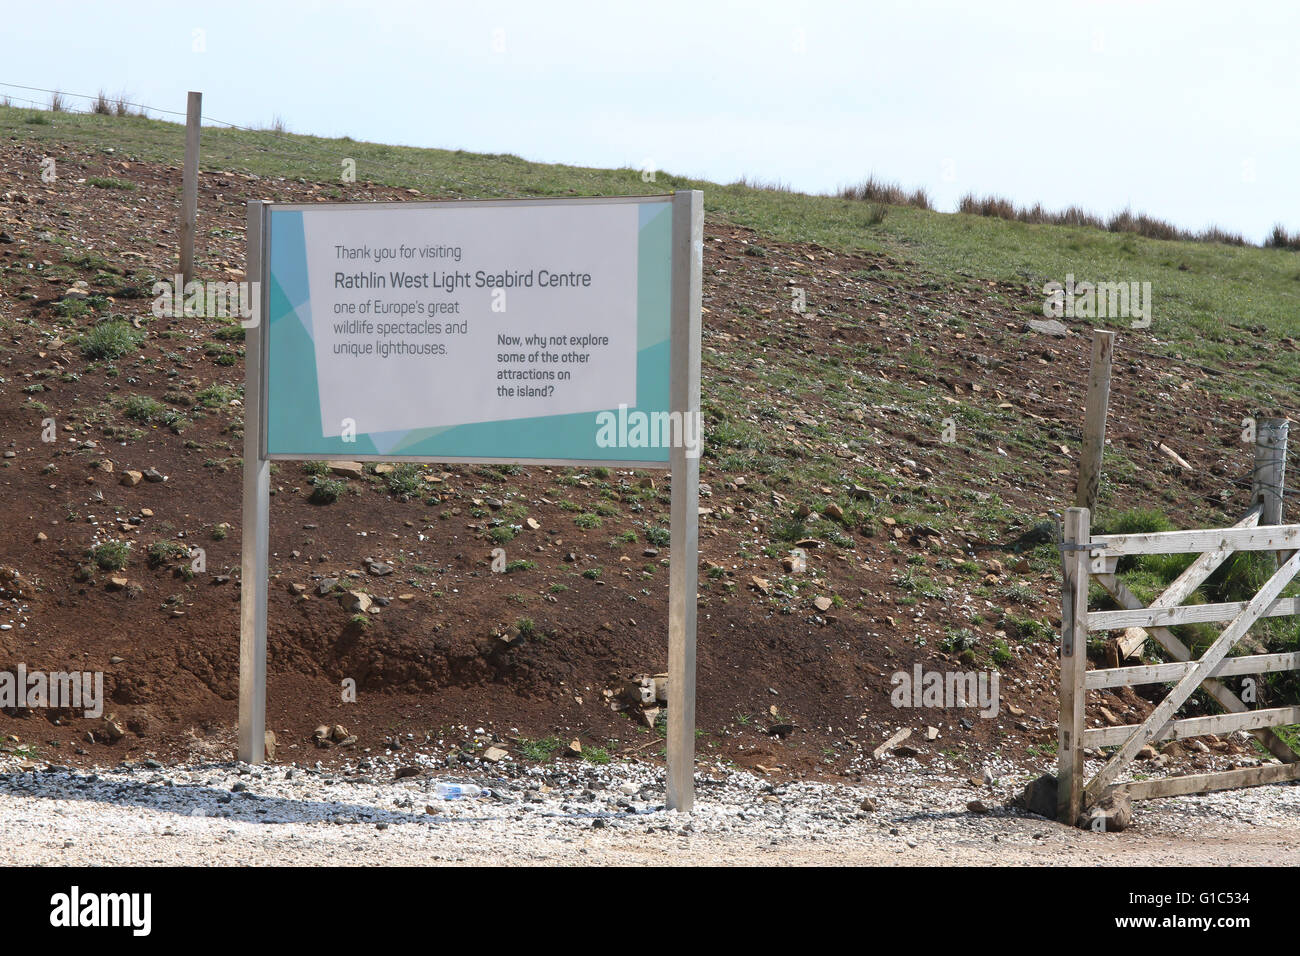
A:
[575, 813]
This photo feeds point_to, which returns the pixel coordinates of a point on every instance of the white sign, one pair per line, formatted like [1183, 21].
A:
[442, 316]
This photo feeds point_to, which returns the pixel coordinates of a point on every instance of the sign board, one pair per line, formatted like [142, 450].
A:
[546, 331]
[471, 331]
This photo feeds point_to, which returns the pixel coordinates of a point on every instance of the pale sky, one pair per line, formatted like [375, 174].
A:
[1185, 109]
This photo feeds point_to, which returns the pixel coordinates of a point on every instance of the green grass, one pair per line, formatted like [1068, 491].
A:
[1239, 578]
[657, 536]
[110, 555]
[1028, 629]
[216, 395]
[1207, 296]
[108, 182]
[959, 639]
[110, 340]
[72, 308]
[1001, 652]
[142, 408]
[1213, 304]
[150, 411]
[789, 530]
[326, 491]
[91, 261]
[538, 751]
[162, 553]
[405, 481]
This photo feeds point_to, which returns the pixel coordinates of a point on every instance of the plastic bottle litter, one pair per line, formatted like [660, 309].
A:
[456, 791]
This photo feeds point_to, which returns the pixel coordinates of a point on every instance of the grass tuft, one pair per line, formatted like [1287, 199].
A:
[110, 340]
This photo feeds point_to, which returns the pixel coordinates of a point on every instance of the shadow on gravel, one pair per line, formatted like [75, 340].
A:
[956, 814]
[242, 806]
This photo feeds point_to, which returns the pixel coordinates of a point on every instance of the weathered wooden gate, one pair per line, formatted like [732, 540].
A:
[1087, 557]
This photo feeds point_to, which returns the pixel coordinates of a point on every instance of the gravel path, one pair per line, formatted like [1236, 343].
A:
[580, 814]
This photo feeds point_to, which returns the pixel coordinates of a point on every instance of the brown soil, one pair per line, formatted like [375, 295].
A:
[429, 664]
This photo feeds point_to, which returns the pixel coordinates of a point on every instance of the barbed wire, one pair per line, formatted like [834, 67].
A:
[413, 174]
[1064, 411]
[93, 99]
[1217, 373]
[989, 325]
[1184, 443]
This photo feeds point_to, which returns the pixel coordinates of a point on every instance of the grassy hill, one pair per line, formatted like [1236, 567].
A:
[1217, 304]
[908, 432]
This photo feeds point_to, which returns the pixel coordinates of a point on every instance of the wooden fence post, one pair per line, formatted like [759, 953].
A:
[1074, 663]
[1270, 468]
[1094, 424]
[1269, 474]
[190, 184]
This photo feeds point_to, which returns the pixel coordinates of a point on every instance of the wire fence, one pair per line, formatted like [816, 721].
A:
[293, 150]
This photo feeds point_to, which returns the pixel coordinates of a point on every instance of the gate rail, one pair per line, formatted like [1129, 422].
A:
[1086, 558]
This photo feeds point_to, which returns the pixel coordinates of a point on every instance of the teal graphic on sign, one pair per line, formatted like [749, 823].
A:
[469, 331]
